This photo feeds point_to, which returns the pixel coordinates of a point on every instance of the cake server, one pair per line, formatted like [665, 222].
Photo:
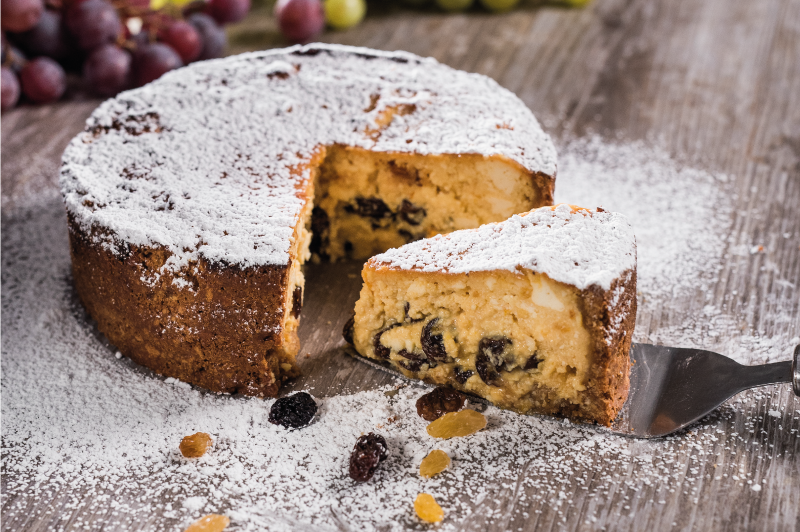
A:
[672, 387]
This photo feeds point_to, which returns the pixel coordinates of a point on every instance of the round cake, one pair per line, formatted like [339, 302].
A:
[193, 202]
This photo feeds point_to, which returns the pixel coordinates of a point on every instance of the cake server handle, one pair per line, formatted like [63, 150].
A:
[796, 371]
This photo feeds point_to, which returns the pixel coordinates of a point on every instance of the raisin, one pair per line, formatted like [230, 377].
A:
[349, 330]
[196, 445]
[381, 351]
[486, 370]
[440, 401]
[494, 348]
[428, 509]
[293, 412]
[319, 231]
[413, 214]
[370, 208]
[462, 375]
[411, 365]
[433, 464]
[297, 301]
[533, 361]
[433, 344]
[407, 317]
[368, 452]
[209, 523]
[457, 424]
[410, 355]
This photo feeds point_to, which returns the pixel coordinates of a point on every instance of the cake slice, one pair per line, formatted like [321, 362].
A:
[535, 313]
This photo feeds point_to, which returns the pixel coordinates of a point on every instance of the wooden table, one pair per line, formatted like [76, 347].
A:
[714, 82]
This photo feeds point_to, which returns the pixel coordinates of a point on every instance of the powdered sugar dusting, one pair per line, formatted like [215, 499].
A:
[208, 161]
[99, 435]
[579, 248]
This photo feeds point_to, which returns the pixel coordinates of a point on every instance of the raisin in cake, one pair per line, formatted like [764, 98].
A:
[534, 314]
[192, 202]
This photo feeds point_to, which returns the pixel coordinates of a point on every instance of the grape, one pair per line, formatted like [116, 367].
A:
[93, 22]
[499, 6]
[43, 80]
[153, 60]
[20, 15]
[342, 14]
[211, 34]
[454, 5]
[227, 11]
[184, 39]
[300, 20]
[10, 88]
[107, 69]
[47, 37]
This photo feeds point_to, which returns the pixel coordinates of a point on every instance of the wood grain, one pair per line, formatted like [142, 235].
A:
[717, 84]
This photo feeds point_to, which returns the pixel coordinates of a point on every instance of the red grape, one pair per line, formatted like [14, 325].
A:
[300, 20]
[93, 22]
[20, 15]
[107, 69]
[184, 39]
[47, 37]
[153, 60]
[227, 11]
[212, 35]
[43, 80]
[10, 88]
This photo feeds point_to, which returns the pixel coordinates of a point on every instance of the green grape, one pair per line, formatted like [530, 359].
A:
[498, 6]
[343, 14]
[454, 5]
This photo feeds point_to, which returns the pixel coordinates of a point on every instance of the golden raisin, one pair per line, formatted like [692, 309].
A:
[209, 523]
[196, 445]
[427, 509]
[433, 464]
[455, 424]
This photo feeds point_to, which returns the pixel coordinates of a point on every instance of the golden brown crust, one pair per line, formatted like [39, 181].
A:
[223, 333]
[611, 325]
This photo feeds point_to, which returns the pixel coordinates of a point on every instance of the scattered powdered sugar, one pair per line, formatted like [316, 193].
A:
[210, 160]
[98, 435]
[579, 248]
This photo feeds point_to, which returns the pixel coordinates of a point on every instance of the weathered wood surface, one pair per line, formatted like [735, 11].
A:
[715, 82]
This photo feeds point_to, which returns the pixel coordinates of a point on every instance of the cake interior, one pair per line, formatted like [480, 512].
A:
[362, 203]
[367, 202]
[516, 338]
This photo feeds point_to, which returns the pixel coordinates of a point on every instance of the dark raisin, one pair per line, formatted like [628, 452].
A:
[407, 317]
[413, 214]
[433, 343]
[381, 351]
[294, 411]
[493, 348]
[533, 361]
[462, 375]
[319, 231]
[411, 365]
[370, 208]
[410, 355]
[369, 451]
[297, 301]
[349, 330]
[440, 401]
[486, 369]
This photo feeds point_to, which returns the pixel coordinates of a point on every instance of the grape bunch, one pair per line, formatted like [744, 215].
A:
[301, 20]
[112, 44]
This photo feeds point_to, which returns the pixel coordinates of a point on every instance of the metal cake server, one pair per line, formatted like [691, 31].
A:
[673, 387]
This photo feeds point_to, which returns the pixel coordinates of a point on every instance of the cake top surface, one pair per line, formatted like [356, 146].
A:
[576, 246]
[209, 161]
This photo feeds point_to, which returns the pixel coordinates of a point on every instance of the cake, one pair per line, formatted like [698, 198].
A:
[193, 202]
[534, 313]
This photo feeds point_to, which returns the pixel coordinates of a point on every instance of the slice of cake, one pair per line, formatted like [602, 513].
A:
[534, 314]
